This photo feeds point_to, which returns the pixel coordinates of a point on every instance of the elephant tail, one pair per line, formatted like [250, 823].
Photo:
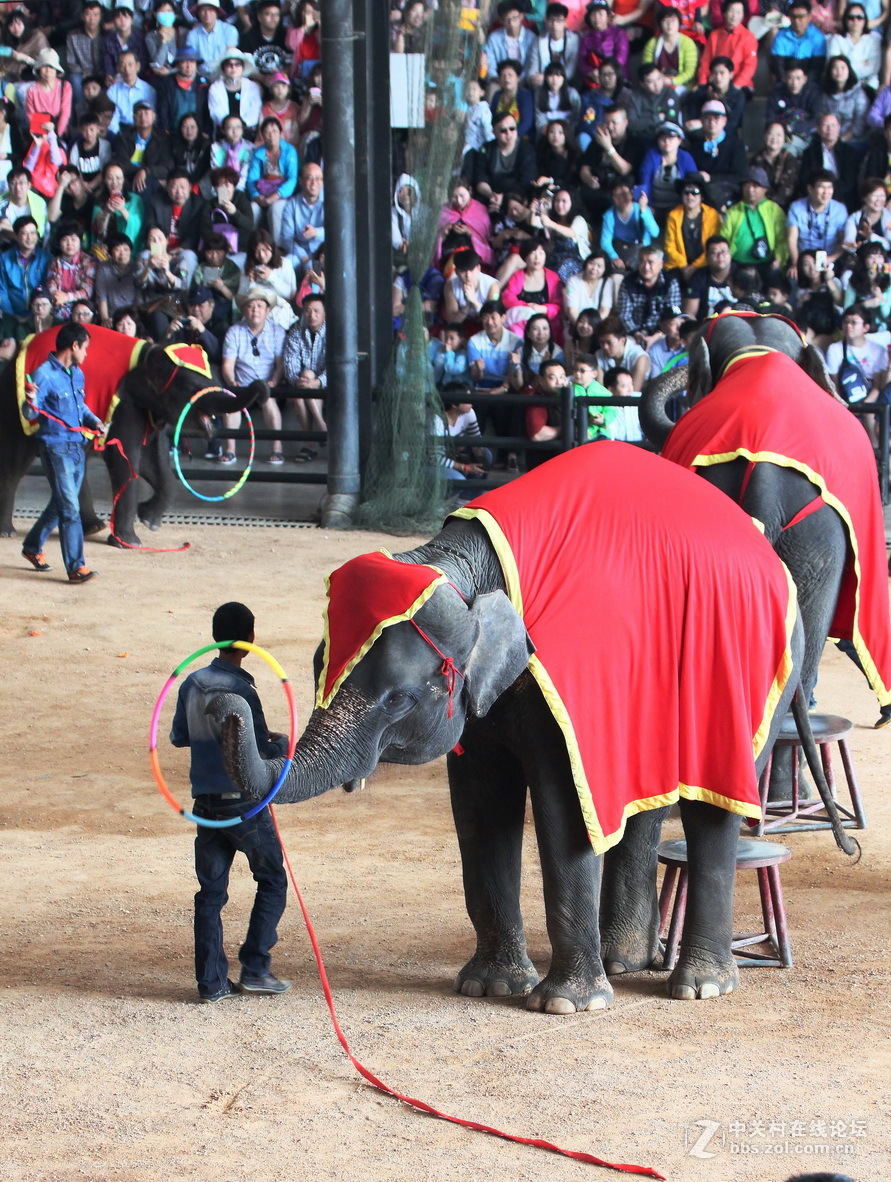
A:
[843, 840]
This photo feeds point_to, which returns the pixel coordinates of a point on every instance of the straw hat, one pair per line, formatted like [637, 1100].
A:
[48, 57]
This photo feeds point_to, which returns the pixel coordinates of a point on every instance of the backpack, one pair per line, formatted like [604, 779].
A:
[853, 383]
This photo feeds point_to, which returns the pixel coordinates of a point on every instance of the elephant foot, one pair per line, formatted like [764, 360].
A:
[482, 977]
[123, 541]
[8, 531]
[570, 993]
[629, 952]
[149, 519]
[697, 975]
[95, 525]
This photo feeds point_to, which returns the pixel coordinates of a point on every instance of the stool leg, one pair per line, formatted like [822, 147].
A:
[778, 909]
[673, 939]
[793, 811]
[671, 873]
[853, 786]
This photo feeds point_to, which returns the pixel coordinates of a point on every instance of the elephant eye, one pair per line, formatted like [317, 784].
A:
[400, 699]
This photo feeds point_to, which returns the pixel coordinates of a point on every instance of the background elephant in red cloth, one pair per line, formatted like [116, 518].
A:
[457, 677]
[151, 398]
[814, 549]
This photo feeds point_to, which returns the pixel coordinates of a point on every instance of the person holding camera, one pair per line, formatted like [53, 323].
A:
[755, 227]
[816, 222]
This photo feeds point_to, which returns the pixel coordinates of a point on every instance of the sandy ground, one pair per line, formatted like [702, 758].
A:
[110, 1071]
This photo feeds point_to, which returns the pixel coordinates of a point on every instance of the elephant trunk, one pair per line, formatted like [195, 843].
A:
[330, 751]
[845, 843]
[244, 396]
[654, 419]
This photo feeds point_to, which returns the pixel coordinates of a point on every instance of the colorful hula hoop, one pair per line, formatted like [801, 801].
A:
[156, 714]
[179, 426]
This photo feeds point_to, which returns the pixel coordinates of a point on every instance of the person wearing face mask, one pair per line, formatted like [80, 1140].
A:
[160, 43]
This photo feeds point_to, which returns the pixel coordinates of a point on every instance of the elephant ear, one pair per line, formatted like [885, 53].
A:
[500, 652]
[813, 363]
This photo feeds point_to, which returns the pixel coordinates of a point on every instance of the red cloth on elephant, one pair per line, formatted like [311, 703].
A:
[661, 619]
[109, 357]
[766, 408]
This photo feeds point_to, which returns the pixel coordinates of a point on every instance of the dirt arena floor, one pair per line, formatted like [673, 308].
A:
[110, 1072]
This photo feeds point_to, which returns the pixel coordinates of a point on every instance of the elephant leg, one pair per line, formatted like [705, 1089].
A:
[488, 793]
[570, 869]
[128, 426]
[90, 520]
[629, 907]
[18, 451]
[155, 470]
[705, 966]
[814, 550]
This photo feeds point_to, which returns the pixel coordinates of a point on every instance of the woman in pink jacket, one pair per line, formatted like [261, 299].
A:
[534, 289]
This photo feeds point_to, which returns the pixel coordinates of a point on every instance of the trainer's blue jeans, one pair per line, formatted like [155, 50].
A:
[64, 465]
[215, 851]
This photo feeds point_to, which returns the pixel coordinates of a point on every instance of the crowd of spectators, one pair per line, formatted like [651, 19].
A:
[161, 174]
[630, 168]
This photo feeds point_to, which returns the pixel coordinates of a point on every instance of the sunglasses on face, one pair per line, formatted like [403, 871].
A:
[692, 192]
[506, 130]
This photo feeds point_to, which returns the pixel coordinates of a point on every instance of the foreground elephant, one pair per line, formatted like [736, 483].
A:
[767, 428]
[147, 386]
[608, 632]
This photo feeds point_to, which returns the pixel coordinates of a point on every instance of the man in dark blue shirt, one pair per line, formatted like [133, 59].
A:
[54, 399]
[217, 798]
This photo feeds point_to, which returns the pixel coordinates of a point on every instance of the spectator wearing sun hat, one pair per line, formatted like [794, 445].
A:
[233, 93]
[212, 36]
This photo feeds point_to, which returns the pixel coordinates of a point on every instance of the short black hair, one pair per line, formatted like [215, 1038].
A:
[515, 65]
[71, 334]
[721, 60]
[25, 220]
[314, 297]
[609, 378]
[466, 259]
[232, 621]
[493, 306]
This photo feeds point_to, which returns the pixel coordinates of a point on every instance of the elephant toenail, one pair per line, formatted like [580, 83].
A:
[710, 989]
[559, 1005]
[596, 1003]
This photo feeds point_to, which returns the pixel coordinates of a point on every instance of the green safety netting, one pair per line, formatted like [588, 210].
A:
[405, 487]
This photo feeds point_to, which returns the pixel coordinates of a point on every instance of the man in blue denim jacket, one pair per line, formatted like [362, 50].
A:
[218, 798]
[54, 399]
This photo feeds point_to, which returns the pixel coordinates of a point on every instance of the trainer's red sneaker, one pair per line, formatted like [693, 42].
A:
[81, 576]
[38, 561]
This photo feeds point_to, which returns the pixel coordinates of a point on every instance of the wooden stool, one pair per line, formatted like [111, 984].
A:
[794, 815]
[764, 857]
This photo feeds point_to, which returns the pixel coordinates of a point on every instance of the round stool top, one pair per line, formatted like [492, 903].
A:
[751, 853]
[827, 728]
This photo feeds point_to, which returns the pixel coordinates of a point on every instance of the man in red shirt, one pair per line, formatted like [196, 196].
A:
[733, 41]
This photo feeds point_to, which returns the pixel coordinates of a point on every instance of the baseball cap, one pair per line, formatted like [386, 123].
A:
[713, 107]
[757, 176]
[200, 294]
[670, 128]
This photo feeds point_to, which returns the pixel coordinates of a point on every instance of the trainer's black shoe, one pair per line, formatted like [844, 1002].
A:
[211, 999]
[267, 984]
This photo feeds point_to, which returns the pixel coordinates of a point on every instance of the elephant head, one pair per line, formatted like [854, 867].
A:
[711, 350]
[405, 699]
[161, 389]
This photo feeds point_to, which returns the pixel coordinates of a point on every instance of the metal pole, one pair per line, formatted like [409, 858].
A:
[339, 146]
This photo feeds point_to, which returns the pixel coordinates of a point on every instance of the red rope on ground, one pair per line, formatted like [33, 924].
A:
[576, 1155]
[133, 476]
